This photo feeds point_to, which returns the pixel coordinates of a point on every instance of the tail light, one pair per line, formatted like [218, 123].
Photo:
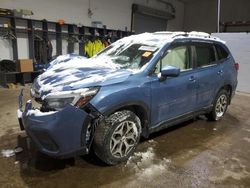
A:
[237, 66]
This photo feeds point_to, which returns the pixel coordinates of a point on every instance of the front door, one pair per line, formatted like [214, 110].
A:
[174, 96]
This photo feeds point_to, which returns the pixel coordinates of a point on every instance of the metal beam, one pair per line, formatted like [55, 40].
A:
[218, 17]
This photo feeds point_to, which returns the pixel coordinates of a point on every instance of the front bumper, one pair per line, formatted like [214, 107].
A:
[57, 134]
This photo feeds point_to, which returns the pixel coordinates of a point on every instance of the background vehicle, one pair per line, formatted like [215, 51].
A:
[136, 86]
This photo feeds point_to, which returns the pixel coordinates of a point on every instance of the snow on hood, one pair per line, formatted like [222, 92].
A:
[63, 59]
[72, 73]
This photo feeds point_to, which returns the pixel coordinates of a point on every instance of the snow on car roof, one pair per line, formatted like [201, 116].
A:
[149, 39]
[192, 34]
[162, 37]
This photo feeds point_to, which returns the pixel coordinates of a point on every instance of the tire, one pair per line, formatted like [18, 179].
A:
[116, 139]
[219, 106]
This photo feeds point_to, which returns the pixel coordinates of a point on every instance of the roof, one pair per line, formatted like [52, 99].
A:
[160, 38]
[192, 34]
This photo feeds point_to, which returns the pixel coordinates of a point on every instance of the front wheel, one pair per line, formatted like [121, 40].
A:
[220, 106]
[116, 139]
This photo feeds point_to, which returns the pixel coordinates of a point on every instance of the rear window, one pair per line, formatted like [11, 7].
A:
[205, 55]
[222, 53]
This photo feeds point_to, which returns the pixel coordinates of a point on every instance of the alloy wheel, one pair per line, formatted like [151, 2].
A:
[123, 139]
[221, 106]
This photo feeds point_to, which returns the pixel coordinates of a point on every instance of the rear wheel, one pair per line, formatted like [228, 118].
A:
[220, 106]
[116, 138]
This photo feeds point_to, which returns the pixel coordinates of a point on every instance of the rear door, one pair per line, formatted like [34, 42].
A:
[174, 96]
[208, 71]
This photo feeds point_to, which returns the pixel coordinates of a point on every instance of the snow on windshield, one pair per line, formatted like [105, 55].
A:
[147, 39]
[133, 52]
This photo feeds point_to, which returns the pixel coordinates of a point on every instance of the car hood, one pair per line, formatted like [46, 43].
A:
[77, 73]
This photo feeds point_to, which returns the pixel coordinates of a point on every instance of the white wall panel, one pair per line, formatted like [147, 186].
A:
[239, 44]
[23, 48]
[116, 14]
[5, 50]
[64, 46]
[53, 42]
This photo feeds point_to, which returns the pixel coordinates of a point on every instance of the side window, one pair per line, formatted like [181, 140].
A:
[177, 57]
[222, 53]
[205, 55]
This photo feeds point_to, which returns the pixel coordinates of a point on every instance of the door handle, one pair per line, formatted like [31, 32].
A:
[192, 79]
[220, 72]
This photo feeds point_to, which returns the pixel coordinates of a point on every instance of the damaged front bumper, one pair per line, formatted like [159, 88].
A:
[60, 133]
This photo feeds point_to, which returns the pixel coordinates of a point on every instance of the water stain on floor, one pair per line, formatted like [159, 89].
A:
[196, 153]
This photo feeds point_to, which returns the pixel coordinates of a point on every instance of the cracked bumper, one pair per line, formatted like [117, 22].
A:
[57, 134]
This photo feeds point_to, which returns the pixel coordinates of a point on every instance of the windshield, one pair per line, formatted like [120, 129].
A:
[128, 54]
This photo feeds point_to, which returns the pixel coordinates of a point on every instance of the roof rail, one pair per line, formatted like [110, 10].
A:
[164, 32]
[173, 35]
[192, 33]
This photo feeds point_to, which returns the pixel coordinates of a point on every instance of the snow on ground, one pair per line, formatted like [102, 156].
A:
[146, 164]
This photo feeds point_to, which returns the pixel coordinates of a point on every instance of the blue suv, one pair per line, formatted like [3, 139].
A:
[136, 86]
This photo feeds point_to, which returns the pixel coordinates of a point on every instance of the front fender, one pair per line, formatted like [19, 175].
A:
[110, 99]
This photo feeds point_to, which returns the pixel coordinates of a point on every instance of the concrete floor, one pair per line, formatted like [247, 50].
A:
[194, 154]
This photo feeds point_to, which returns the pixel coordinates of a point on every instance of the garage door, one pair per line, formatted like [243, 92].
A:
[145, 23]
[239, 44]
[146, 19]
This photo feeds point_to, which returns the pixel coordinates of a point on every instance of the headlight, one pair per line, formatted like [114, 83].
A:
[86, 97]
[34, 90]
[77, 98]
[58, 103]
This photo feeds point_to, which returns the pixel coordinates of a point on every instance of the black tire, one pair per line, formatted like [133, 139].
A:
[107, 132]
[216, 114]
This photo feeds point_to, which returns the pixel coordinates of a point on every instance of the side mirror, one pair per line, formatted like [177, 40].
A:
[168, 71]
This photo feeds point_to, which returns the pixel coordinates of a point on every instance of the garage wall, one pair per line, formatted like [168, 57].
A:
[115, 14]
[239, 43]
[201, 15]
